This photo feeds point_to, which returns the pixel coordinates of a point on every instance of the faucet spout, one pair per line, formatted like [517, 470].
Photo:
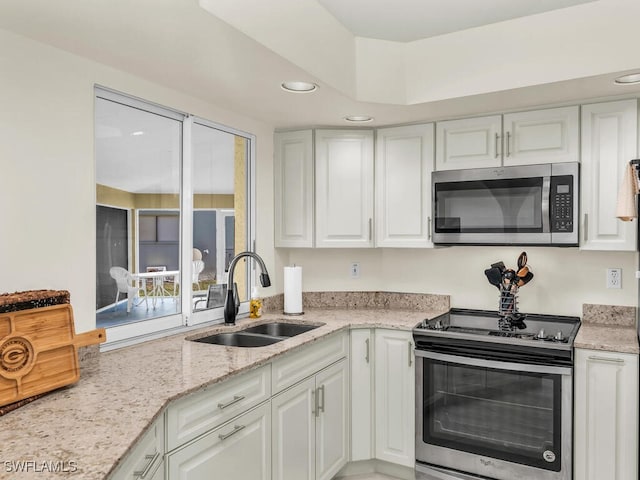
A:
[230, 306]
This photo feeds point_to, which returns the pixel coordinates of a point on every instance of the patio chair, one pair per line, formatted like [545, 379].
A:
[126, 283]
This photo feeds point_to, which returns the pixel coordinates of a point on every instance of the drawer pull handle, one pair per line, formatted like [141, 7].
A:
[605, 359]
[152, 459]
[236, 399]
[236, 429]
[410, 350]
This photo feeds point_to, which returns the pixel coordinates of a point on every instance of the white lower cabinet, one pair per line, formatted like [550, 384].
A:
[606, 415]
[145, 460]
[311, 426]
[239, 450]
[395, 397]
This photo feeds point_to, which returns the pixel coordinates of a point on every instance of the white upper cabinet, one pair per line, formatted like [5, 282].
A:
[523, 138]
[344, 188]
[468, 143]
[293, 171]
[403, 166]
[541, 136]
[609, 141]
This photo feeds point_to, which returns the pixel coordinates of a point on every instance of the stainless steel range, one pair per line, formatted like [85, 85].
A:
[494, 399]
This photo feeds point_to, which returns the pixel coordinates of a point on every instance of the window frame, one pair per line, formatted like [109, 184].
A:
[188, 318]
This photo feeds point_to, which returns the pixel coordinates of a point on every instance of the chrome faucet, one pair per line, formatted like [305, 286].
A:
[230, 305]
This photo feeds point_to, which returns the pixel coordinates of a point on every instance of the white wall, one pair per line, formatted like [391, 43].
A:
[47, 186]
[564, 278]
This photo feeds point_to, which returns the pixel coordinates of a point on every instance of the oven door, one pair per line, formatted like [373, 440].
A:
[493, 418]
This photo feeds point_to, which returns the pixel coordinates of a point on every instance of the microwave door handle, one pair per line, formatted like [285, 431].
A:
[495, 364]
[546, 189]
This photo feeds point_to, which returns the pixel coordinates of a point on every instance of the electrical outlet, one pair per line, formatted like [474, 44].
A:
[614, 278]
[355, 270]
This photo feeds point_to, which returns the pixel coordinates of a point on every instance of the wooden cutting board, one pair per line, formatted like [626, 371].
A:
[39, 351]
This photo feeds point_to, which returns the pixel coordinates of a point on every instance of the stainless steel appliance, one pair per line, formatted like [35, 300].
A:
[494, 401]
[524, 205]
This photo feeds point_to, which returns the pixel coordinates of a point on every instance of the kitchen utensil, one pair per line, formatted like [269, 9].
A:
[500, 266]
[494, 275]
[526, 279]
[522, 260]
[523, 271]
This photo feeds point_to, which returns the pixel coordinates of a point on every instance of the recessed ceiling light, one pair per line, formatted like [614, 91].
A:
[299, 87]
[138, 133]
[358, 118]
[630, 79]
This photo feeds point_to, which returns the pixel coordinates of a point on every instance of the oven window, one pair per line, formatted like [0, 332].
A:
[495, 413]
[493, 206]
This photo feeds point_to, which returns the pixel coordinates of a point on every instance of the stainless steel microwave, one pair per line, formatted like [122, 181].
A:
[519, 205]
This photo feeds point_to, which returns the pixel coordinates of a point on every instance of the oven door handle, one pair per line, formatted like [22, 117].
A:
[478, 362]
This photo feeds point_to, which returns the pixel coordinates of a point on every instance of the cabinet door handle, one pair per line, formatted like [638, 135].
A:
[152, 459]
[428, 228]
[314, 411]
[236, 399]
[321, 401]
[236, 429]
[366, 355]
[508, 142]
[606, 360]
[410, 350]
[496, 145]
[370, 229]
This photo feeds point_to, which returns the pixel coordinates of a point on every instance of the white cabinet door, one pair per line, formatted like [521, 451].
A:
[361, 395]
[394, 397]
[293, 174]
[606, 415]
[332, 421]
[541, 136]
[468, 143]
[344, 188]
[609, 141]
[145, 457]
[403, 166]
[294, 437]
[238, 450]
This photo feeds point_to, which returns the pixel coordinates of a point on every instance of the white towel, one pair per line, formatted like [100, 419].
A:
[626, 209]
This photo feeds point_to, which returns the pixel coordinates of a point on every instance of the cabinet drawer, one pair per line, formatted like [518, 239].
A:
[195, 414]
[297, 366]
[145, 457]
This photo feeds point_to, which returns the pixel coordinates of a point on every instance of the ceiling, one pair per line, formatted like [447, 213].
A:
[237, 58]
[408, 20]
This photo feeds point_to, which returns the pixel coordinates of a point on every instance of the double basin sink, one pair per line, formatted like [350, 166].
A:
[258, 336]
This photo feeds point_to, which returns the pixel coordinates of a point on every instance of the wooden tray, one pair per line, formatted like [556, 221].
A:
[39, 351]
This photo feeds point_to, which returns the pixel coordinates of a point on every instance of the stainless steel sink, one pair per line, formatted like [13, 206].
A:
[259, 335]
[239, 339]
[280, 329]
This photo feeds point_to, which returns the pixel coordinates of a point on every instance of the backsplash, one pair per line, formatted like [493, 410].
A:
[353, 300]
[609, 315]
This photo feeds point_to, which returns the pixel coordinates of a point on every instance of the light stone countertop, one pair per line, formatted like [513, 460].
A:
[609, 328]
[94, 422]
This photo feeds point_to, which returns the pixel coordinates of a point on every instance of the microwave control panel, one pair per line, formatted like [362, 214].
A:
[561, 199]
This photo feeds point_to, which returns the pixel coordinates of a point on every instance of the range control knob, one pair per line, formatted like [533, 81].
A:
[438, 325]
[541, 335]
[559, 336]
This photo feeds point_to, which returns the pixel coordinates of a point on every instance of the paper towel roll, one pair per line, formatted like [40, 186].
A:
[293, 290]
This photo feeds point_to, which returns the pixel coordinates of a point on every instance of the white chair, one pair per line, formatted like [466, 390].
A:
[197, 268]
[129, 285]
